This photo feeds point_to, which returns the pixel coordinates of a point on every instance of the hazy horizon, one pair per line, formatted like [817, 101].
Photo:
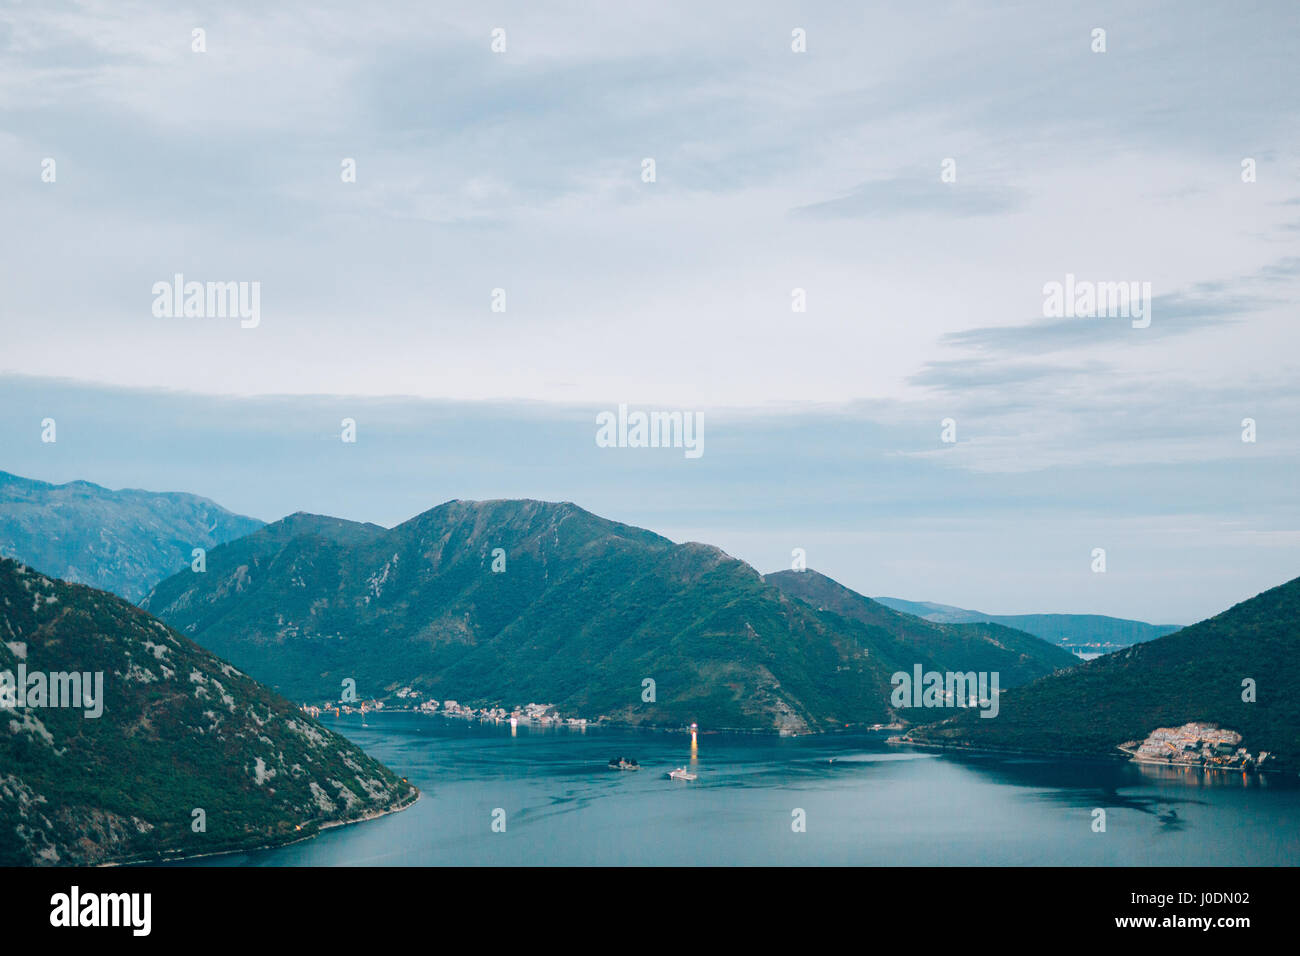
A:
[869, 507]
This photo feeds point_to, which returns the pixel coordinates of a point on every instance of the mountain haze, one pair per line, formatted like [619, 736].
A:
[1084, 632]
[120, 541]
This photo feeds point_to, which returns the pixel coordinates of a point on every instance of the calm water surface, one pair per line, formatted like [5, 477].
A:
[865, 803]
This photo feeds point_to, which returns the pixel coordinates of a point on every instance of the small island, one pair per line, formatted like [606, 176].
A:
[1197, 744]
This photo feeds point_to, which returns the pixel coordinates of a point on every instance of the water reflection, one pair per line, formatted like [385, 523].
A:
[1169, 819]
[1204, 777]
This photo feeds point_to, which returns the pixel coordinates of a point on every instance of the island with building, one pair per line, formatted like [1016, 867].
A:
[1197, 744]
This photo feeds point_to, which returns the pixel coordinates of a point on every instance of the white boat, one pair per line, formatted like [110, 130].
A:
[681, 773]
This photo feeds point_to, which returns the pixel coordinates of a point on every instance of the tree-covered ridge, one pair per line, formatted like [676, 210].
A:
[1196, 674]
[581, 613]
[180, 731]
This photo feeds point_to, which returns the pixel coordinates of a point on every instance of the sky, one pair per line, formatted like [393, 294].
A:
[824, 171]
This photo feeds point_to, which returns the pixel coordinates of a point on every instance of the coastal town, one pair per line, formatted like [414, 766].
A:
[1196, 744]
[411, 701]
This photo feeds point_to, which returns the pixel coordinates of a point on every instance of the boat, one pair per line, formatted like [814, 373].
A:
[623, 763]
[681, 773]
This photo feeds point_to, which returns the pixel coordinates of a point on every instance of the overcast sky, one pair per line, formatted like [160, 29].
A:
[775, 170]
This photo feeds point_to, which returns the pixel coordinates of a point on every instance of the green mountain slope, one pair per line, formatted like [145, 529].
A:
[119, 541]
[584, 613]
[1083, 632]
[1017, 656]
[178, 730]
[1195, 674]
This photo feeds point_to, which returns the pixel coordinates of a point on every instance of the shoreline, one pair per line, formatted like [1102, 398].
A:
[613, 724]
[1134, 758]
[189, 857]
[375, 815]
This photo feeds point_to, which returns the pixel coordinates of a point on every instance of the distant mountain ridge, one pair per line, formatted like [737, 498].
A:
[1198, 673]
[119, 541]
[1017, 656]
[187, 756]
[1086, 632]
[584, 613]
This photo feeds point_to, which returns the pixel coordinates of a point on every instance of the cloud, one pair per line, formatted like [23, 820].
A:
[776, 170]
[1170, 315]
[906, 194]
[1202, 306]
[964, 374]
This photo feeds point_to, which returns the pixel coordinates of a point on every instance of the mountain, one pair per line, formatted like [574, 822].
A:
[1017, 656]
[1079, 632]
[1194, 674]
[119, 541]
[583, 613]
[171, 729]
